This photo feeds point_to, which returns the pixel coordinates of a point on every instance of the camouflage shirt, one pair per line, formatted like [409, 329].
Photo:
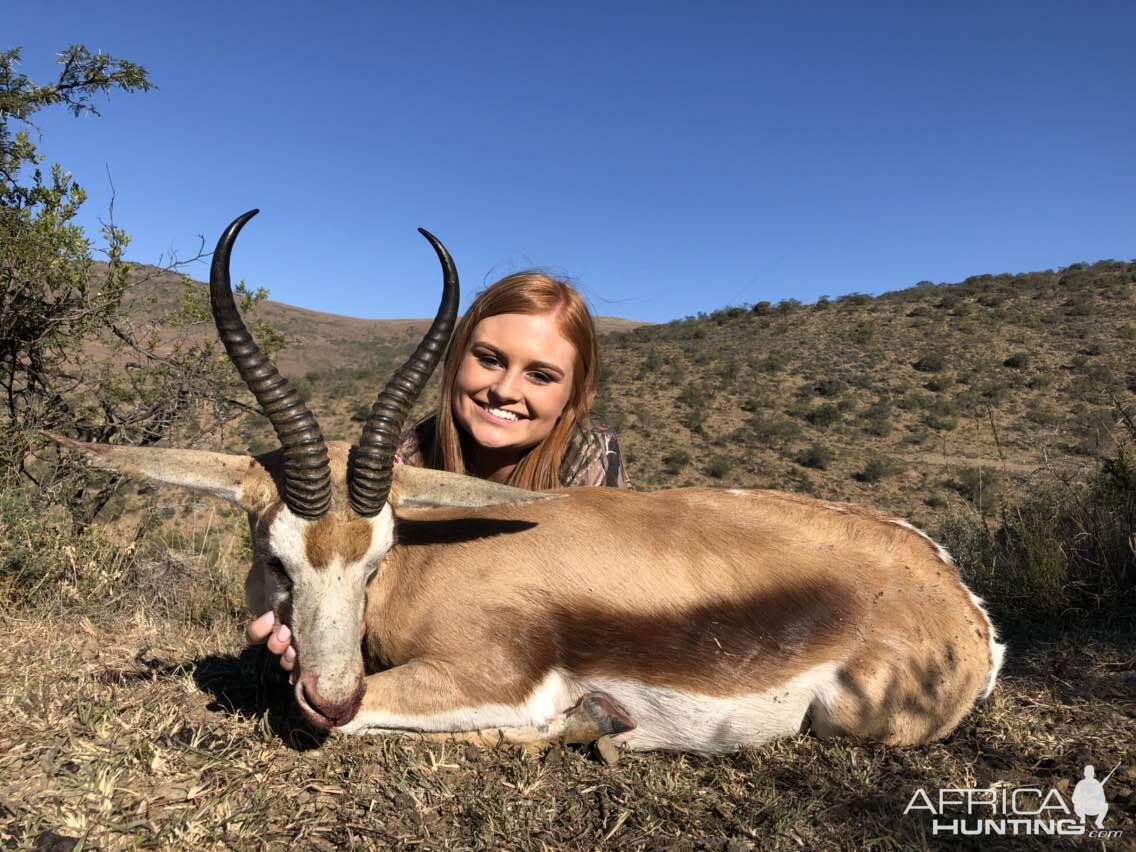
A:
[592, 457]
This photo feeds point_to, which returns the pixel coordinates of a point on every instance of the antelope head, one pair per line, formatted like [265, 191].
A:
[321, 516]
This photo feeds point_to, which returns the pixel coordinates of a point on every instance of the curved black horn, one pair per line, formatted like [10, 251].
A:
[369, 481]
[307, 473]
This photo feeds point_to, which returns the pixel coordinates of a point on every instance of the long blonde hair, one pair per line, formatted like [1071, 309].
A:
[533, 293]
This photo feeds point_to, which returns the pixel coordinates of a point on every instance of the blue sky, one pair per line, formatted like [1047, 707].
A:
[669, 157]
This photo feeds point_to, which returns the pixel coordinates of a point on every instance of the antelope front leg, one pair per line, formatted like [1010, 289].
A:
[425, 698]
[595, 715]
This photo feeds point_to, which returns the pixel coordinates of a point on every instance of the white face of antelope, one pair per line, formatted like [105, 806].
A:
[319, 571]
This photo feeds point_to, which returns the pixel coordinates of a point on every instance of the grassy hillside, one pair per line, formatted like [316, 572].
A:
[912, 401]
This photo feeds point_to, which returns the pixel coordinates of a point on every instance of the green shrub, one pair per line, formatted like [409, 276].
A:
[694, 420]
[829, 387]
[788, 306]
[719, 466]
[979, 486]
[694, 395]
[823, 416]
[651, 365]
[304, 388]
[878, 426]
[914, 401]
[994, 392]
[817, 456]
[876, 470]
[675, 461]
[940, 423]
[862, 333]
[1017, 361]
[877, 418]
[932, 362]
[1042, 414]
[1092, 431]
[770, 430]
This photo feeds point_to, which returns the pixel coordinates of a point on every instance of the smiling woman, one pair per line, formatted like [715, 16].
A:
[517, 391]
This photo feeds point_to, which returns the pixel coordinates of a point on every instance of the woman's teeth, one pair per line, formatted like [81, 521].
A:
[502, 413]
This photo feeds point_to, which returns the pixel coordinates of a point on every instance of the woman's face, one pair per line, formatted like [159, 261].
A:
[514, 381]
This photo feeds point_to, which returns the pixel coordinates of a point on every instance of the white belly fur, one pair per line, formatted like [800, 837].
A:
[671, 719]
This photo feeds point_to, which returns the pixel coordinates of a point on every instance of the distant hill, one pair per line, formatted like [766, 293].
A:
[316, 341]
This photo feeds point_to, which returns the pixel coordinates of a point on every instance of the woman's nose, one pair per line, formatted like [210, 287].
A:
[507, 388]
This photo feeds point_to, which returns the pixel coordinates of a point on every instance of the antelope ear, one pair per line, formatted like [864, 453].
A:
[238, 479]
[422, 488]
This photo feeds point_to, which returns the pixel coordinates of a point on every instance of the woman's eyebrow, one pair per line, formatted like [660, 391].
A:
[482, 344]
[544, 365]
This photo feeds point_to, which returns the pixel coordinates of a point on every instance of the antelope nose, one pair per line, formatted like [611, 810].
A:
[324, 711]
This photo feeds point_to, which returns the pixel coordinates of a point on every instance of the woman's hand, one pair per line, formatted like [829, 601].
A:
[278, 636]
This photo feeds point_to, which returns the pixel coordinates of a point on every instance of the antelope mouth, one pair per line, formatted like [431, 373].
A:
[323, 721]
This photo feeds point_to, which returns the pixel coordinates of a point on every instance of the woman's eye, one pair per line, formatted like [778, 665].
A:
[540, 378]
[487, 360]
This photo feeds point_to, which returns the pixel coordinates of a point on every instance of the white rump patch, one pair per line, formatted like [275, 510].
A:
[997, 649]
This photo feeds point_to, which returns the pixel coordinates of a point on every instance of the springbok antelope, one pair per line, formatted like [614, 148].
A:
[692, 619]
